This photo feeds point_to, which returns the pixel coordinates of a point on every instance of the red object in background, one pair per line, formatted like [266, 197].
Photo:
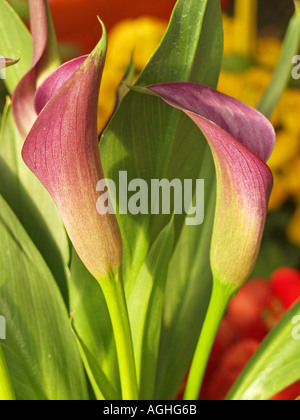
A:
[246, 313]
[76, 21]
[286, 285]
[231, 365]
[225, 4]
[250, 316]
[289, 394]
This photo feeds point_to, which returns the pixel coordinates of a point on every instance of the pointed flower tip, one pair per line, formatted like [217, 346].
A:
[62, 151]
[241, 140]
[104, 32]
[7, 62]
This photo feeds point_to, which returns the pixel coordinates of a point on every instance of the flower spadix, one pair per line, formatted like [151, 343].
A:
[241, 141]
[62, 151]
[45, 61]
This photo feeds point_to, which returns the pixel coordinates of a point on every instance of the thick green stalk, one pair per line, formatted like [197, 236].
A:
[6, 388]
[115, 298]
[221, 295]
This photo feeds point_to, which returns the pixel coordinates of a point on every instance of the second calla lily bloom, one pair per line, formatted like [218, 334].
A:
[241, 140]
[45, 60]
[62, 151]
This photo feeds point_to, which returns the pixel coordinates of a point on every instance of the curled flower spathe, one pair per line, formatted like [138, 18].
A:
[62, 151]
[45, 61]
[241, 140]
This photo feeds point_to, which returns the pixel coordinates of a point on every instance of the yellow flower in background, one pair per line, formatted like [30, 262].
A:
[294, 227]
[281, 163]
[290, 110]
[268, 52]
[279, 194]
[286, 148]
[249, 86]
[229, 30]
[292, 178]
[245, 27]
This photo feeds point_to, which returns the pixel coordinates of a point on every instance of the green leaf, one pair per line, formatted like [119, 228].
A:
[31, 202]
[282, 73]
[21, 7]
[92, 326]
[275, 365]
[39, 349]
[6, 389]
[15, 39]
[146, 306]
[102, 387]
[152, 141]
[187, 295]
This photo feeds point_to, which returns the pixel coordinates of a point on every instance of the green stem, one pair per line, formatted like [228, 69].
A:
[6, 388]
[221, 295]
[115, 298]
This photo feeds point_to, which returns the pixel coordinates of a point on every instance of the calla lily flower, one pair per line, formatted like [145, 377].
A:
[62, 151]
[241, 140]
[45, 61]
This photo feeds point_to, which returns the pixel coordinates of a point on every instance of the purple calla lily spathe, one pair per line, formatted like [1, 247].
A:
[56, 79]
[62, 151]
[45, 61]
[241, 140]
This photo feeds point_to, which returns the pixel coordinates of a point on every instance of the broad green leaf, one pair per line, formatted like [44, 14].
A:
[92, 326]
[21, 7]
[6, 389]
[275, 365]
[147, 301]
[282, 72]
[102, 387]
[189, 280]
[151, 141]
[187, 295]
[15, 39]
[39, 349]
[31, 202]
